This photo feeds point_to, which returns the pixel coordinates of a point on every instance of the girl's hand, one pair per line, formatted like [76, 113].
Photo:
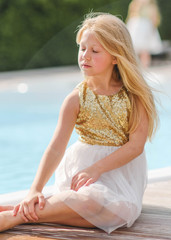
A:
[26, 208]
[84, 178]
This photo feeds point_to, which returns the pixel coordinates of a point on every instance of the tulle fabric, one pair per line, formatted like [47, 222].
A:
[144, 35]
[114, 200]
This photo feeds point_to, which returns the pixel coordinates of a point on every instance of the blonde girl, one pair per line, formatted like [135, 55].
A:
[100, 179]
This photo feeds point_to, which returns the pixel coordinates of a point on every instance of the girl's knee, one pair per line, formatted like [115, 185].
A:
[92, 206]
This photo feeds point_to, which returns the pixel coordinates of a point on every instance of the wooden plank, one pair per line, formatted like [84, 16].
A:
[156, 210]
[28, 237]
[20, 237]
[157, 226]
[148, 226]
[158, 194]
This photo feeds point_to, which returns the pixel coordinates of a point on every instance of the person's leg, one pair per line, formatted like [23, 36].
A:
[55, 211]
[145, 59]
[6, 208]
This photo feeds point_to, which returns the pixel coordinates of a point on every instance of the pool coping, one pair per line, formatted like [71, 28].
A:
[160, 174]
[156, 175]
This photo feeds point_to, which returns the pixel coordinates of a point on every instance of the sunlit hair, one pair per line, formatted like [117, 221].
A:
[113, 35]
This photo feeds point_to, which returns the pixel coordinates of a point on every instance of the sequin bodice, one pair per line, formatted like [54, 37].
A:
[103, 120]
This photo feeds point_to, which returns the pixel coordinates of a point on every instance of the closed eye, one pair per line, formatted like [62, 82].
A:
[83, 49]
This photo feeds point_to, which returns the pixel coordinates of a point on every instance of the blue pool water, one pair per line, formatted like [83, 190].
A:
[29, 114]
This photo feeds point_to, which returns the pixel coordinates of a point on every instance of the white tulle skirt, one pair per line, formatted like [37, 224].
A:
[144, 35]
[114, 200]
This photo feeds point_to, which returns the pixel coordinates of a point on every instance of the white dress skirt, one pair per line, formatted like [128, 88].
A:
[115, 199]
[144, 35]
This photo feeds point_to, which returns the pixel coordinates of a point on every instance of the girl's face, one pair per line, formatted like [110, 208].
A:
[93, 59]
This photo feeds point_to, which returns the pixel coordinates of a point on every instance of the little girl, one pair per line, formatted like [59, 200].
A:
[100, 180]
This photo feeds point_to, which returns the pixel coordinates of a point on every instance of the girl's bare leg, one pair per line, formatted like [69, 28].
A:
[6, 208]
[54, 211]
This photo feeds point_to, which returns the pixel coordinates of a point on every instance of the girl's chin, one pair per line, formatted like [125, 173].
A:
[87, 73]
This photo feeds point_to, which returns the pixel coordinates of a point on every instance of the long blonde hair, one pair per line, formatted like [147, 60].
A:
[113, 35]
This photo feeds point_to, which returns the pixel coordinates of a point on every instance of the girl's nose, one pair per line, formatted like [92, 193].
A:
[86, 55]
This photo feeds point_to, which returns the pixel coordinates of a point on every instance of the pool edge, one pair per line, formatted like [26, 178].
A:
[160, 174]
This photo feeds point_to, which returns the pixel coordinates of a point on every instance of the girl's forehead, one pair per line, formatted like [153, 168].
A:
[89, 37]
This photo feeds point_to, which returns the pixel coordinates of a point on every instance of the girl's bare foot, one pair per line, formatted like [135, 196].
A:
[6, 208]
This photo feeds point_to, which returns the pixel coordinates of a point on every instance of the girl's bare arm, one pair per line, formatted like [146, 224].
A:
[57, 146]
[51, 158]
[133, 148]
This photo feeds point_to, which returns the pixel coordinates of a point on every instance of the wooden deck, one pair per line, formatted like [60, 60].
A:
[154, 223]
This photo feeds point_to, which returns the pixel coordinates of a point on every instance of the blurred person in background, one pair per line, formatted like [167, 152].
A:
[142, 22]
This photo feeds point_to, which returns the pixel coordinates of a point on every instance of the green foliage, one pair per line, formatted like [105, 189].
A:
[41, 33]
[165, 8]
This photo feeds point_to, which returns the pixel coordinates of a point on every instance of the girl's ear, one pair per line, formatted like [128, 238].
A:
[114, 61]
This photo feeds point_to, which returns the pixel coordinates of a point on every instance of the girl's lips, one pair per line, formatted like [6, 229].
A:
[85, 66]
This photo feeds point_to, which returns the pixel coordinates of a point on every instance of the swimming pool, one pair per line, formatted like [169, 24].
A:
[29, 106]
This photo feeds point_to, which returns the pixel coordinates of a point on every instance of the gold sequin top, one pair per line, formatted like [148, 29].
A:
[103, 120]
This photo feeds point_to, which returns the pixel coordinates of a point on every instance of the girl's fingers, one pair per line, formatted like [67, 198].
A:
[76, 184]
[33, 213]
[73, 185]
[26, 213]
[16, 208]
[41, 202]
[29, 212]
[79, 180]
[21, 212]
[90, 181]
[80, 184]
[74, 179]
[26, 209]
